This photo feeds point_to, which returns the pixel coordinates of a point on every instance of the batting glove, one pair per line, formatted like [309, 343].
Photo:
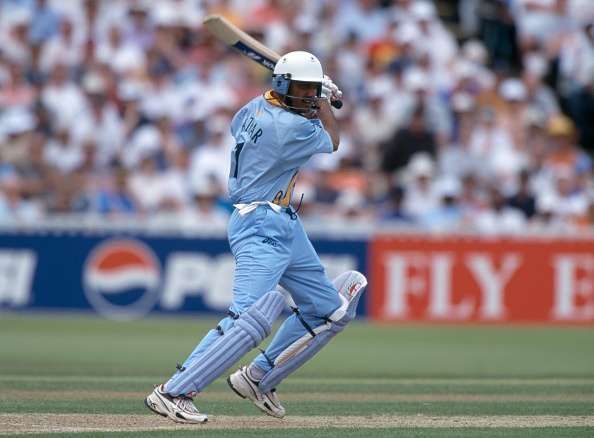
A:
[329, 89]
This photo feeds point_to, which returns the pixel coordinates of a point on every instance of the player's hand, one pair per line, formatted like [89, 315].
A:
[330, 91]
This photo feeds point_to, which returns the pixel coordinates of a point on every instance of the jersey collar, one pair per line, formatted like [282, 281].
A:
[271, 99]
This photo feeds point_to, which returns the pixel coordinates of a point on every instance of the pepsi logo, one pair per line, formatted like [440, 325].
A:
[121, 279]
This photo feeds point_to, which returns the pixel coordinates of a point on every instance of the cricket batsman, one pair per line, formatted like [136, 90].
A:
[276, 133]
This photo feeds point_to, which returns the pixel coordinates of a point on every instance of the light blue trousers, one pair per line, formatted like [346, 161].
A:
[272, 248]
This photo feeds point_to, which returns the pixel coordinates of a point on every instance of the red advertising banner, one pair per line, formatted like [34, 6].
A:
[480, 279]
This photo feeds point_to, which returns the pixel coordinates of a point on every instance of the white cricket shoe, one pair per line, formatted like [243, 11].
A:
[245, 387]
[180, 409]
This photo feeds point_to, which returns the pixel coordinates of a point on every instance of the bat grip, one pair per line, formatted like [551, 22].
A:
[336, 104]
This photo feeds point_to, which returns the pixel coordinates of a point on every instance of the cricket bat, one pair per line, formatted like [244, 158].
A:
[236, 38]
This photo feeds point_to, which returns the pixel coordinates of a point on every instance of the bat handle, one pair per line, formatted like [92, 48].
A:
[336, 104]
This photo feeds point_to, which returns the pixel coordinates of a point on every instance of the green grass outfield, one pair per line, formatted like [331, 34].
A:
[85, 376]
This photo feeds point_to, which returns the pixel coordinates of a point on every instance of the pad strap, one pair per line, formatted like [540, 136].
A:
[303, 321]
[232, 314]
[350, 285]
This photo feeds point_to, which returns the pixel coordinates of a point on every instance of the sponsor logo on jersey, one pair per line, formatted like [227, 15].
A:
[270, 241]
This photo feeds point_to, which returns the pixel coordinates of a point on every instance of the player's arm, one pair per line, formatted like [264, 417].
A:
[330, 123]
[330, 92]
[301, 138]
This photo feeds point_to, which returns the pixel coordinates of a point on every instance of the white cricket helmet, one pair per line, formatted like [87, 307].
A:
[296, 66]
[302, 66]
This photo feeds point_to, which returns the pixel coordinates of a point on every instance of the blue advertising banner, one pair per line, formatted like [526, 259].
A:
[129, 276]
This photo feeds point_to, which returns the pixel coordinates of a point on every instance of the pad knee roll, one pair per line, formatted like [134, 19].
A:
[258, 319]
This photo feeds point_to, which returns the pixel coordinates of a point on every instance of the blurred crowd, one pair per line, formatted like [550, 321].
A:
[469, 115]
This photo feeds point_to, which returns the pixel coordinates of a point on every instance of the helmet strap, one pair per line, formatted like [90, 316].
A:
[287, 101]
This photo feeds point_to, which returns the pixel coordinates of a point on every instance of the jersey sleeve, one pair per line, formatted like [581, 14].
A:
[236, 122]
[303, 138]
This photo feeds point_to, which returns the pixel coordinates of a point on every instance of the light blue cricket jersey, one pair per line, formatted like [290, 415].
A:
[271, 145]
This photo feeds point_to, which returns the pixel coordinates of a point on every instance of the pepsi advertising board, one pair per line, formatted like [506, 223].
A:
[129, 276]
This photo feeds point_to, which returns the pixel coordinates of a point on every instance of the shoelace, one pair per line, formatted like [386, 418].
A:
[187, 404]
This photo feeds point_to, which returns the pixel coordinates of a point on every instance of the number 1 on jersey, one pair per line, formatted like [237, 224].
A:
[238, 148]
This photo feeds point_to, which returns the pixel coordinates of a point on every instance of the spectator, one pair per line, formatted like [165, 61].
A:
[408, 141]
[513, 111]
[15, 42]
[434, 38]
[171, 145]
[13, 204]
[425, 95]
[538, 21]
[392, 210]
[325, 192]
[122, 56]
[351, 64]
[63, 97]
[154, 190]
[16, 127]
[563, 152]
[492, 149]
[472, 198]
[374, 124]
[99, 120]
[540, 98]
[351, 206]
[192, 131]
[212, 158]
[15, 90]
[473, 69]
[129, 94]
[498, 31]
[65, 47]
[116, 200]
[523, 199]
[569, 202]
[421, 194]
[203, 211]
[576, 65]
[499, 218]
[44, 22]
[36, 176]
[362, 18]
[545, 220]
[453, 159]
[62, 154]
[139, 29]
[448, 215]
